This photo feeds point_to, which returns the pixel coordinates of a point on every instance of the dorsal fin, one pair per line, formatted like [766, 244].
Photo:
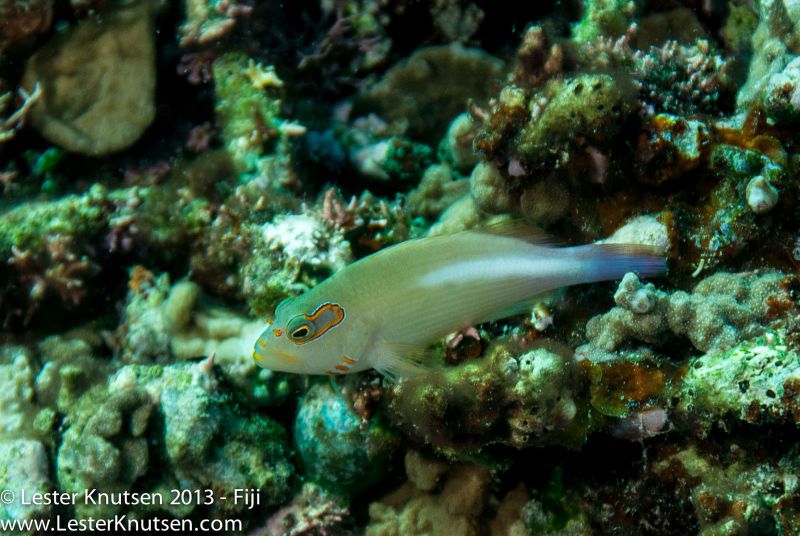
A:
[515, 228]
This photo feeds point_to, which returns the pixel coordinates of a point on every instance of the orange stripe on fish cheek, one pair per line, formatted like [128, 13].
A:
[347, 360]
[341, 367]
[257, 357]
[277, 332]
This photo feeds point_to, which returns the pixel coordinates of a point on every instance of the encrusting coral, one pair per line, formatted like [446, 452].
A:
[525, 398]
[416, 508]
[722, 310]
[757, 381]
[110, 432]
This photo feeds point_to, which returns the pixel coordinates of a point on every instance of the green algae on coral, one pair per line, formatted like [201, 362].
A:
[589, 109]
[525, 399]
[248, 102]
[605, 18]
[25, 227]
[753, 382]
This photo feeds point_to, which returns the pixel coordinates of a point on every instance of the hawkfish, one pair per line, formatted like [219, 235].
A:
[384, 310]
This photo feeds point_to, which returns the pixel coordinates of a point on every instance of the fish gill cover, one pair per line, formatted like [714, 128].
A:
[170, 172]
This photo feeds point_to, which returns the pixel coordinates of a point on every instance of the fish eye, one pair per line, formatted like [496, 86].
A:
[300, 329]
[301, 332]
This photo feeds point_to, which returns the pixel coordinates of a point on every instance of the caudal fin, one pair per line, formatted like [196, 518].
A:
[605, 262]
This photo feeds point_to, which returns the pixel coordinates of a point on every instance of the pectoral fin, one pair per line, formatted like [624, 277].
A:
[399, 360]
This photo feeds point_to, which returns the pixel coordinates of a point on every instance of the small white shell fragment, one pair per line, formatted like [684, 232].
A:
[761, 195]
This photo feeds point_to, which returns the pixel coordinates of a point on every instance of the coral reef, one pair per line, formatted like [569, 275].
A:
[172, 171]
[24, 20]
[296, 251]
[722, 310]
[413, 509]
[207, 22]
[248, 107]
[24, 467]
[110, 429]
[756, 381]
[422, 94]
[18, 393]
[737, 496]
[524, 398]
[336, 452]
[312, 510]
[163, 323]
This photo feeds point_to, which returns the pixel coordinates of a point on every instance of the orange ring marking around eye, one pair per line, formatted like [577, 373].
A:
[338, 317]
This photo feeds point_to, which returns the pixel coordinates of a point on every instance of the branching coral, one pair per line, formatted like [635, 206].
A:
[12, 123]
[538, 58]
[208, 21]
[59, 270]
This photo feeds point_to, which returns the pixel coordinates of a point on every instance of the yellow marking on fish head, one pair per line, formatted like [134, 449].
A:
[287, 357]
[272, 356]
[286, 344]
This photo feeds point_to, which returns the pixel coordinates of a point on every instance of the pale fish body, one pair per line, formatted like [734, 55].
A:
[383, 310]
